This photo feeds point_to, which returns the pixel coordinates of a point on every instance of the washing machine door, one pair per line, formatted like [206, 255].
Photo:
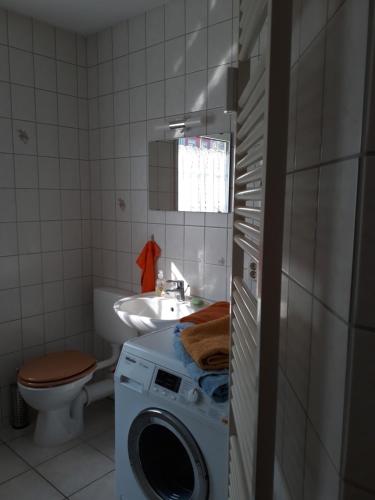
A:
[165, 458]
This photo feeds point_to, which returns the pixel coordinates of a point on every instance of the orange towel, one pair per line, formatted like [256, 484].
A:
[146, 261]
[214, 311]
[208, 343]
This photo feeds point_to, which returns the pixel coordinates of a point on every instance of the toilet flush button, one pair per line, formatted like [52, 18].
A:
[192, 395]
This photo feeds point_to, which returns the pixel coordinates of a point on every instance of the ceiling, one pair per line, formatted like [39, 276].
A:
[82, 16]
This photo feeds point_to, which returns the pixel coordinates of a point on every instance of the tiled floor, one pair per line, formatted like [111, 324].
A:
[82, 469]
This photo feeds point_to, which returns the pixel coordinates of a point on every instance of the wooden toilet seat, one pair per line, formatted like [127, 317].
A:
[56, 368]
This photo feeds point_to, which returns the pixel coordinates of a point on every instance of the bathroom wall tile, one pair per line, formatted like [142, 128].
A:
[138, 144]
[309, 104]
[155, 100]
[196, 91]
[137, 97]
[219, 10]
[219, 44]
[303, 227]
[46, 107]
[174, 92]
[6, 171]
[175, 57]
[10, 337]
[24, 144]
[321, 478]
[105, 45]
[194, 243]
[139, 237]
[155, 25]
[31, 300]
[45, 73]
[4, 63]
[47, 140]
[27, 204]
[196, 51]
[327, 379]
[28, 237]
[298, 341]
[9, 272]
[137, 68]
[3, 26]
[5, 100]
[344, 82]
[92, 49]
[120, 39]
[155, 63]
[137, 33]
[335, 235]
[313, 18]
[7, 205]
[32, 331]
[66, 78]
[52, 266]
[26, 172]
[43, 38]
[66, 46]
[19, 31]
[174, 242]
[139, 172]
[217, 86]
[215, 246]
[174, 19]
[215, 281]
[196, 15]
[9, 305]
[8, 239]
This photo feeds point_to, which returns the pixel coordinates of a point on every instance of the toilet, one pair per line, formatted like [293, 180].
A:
[57, 384]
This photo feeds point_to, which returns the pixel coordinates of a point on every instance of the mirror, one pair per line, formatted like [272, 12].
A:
[190, 174]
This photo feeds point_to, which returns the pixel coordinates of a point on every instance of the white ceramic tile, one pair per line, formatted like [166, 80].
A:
[45, 73]
[8, 239]
[137, 97]
[32, 331]
[47, 140]
[220, 44]
[105, 443]
[120, 39]
[137, 33]
[139, 206]
[344, 82]
[21, 67]
[9, 272]
[327, 378]
[50, 208]
[106, 110]
[81, 50]
[303, 227]
[122, 173]
[219, 10]
[196, 15]
[176, 218]
[174, 19]
[196, 91]
[155, 100]
[27, 204]
[309, 104]
[4, 63]
[105, 45]
[31, 300]
[66, 46]
[102, 488]
[215, 281]
[196, 51]
[122, 138]
[335, 235]
[123, 236]
[3, 27]
[29, 486]
[174, 242]
[194, 243]
[217, 87]
[67, 108]
[30, 269]
[5, 100]
[43, 38]
[10, 339]
[139, 172]
[137, 68]
[155, 63]
[121, 73]
[46, 107]
[138, 139]
[24, 144]
[139, 236]
[92, 82]
[298, 341]
[175, 57]
[216, 220]
[194, 219]
[215, 246]
[92, 49]
[7, 205]
[321, 479]
[20, 31]
[66, 78]
[174, 95]
[313, 18]
[29, 237]
[7, 177]
[121, 107]
[68, 140]
[5, 136]
[82, 82]
[105, 78]
[52, 263]
[155, 25]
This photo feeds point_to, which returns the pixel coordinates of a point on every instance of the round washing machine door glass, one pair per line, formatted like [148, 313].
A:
[165, 458]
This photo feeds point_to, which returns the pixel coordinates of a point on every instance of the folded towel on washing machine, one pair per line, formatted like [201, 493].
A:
[208, 343]
[214, 311]
[213, 383]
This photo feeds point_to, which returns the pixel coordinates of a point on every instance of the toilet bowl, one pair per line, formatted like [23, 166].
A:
[56, 385]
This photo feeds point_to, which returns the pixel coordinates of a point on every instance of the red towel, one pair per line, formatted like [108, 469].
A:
[146, 261]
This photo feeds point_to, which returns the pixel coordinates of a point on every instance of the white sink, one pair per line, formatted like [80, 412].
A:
[148, 312]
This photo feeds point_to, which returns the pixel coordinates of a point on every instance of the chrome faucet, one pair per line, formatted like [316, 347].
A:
[179, 288]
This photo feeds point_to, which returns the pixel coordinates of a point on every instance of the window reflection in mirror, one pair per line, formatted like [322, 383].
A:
[190, 174]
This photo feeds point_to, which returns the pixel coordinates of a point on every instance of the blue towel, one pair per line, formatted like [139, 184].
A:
[215, 383]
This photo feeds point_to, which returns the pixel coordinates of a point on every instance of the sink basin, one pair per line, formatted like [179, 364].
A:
[148, 312]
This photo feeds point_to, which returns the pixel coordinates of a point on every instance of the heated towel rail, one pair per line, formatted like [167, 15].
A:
[259, 187]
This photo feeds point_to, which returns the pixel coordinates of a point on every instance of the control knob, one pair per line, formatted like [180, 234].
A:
[192, 395]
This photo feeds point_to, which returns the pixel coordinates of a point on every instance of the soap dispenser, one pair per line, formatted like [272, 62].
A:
[160, 284]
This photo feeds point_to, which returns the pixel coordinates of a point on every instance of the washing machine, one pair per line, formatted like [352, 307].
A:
[171, 439]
